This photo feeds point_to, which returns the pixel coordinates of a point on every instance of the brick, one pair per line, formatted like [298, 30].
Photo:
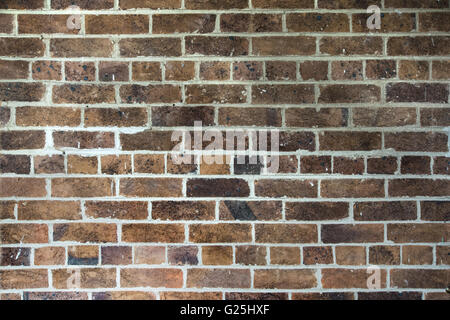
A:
[182, 116]
[232, 94]
[418, 46]
[281, 70]
[187, 255]
[150, 187]
[7, 209]
[283, 4]
[180, 70]
[348, 278]
[82, 165]
[80, 71]
[47, 256]
[440, 70]
[23, 279]
[356, 233]
[18, 164]
[14, 256]
[347, 70]
[81, 47]
[173, 168]
[117, 24]
[416, 4]
[107, 117]
[316, 211]
[419, 278]
[148, 140]
[350, 255]
[146, 71]
[218, 278]
[350, 188]
[314, 70]
[288, 164]
[390, 22]
[312, 118]
[44, 24]
[217, 188]
[49, 210]
[48, 164]
[406, 92]
[414, 70]
[435, 210]
[442, 256]
[395, 296]
[216, 4]
[317, 255]
[22, 47]
[183, 210]
[250, 210]
[150, 4]
[248, 70]
[6, 23]
[215, 70]
[261, 117]
[383, 165]
[350, 166]
[284, 46]
[150, 94]
[14, 69]
[23, 233]
[325, 296]
[315, 164]
[283, 94]
[313, 22]
[83, 255]
[285, 279]
[438, 117]
[220, 233]
[22, 187]
[337, 46]
[116, 164]
[10, 296]
[113, 71]
[123, 295]
[149, 163]
[16, 91]
[48, 117]
[83, 4]
[89, 278]
[414, 232]
[176, 295]
[83, 94]
[255, 296]
[82, 187]
[286, 188]
[169, 233]
[251, 255]
[417, 255]
[284, 256]
[418, 187]
[436, 296]
[85, 232]
[217, 46]
[353, 141]
[384, 255]
[415, 165]
[83, 139]
[183, 23]
[5, 115]
[149, 255]
[286, 233]
[384, 117]
[150, 47]
[156, 278]
[217, 255]
[52, 296]
[119, 255]
[123, 210]
[347, 4]
[250, 23]
[357, 93]
[383, 211]
[381, 69]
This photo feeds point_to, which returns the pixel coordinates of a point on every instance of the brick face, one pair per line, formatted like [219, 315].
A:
[92, 119]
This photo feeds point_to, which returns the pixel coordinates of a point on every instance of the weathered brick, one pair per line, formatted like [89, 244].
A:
[6, 23]
[182, 116]
[419, 278]
[383, 211]
[250, 23]
[23, 279]
[416, 4]
[82, 165]
[417, 141]
[116, 164]
[150, 4]
[183, 23]
[49, 210]
[284, 256]
[384, 117]
[150, 94]
[325, 296]
[357, 93]
[113, 71]
[150, 187]
[120, 255]
[85, 232]
[150, 255]
[7, 209]
[348, 278]
[180, 70]
[216, 4]
[440, 70]
[157, 278]
[314, 70]
[384, 255]
[217, 188]
[48, 117]
[80, 71]
[117, 24]
[390, 22]
[284, 46]
[52, 296]
[414, 70]
[352, 141]
[215, 70]
[83, 255]
[313, 22]
[317, 255]
[286, 233]
[183, 210]
[177, 295]
[47, 256]
[250, 210]
[169, 233]
[315, 164]
[5, 115]
[218, 278]
[220, 233]
[23, 233]
[82, 187]
[348, 233]
[283, 4]
[146, 71]
[148, 140]
[10, 69]
[381, 69]
[442, 256]
[49, 164]
[83, 94]
[83, 4]
[83, 139]
[41, 24]
[438, 117]
[337, 46]
[151, 163]
[350, 255]
[285, 279]
[415, 232]
[415, 165]
[283, 94]
[435, 210]
[418, 46]
[22, 187]
[124, 210]
[14, 256]
[123, 295]
[286, 188]
[251, 255]
[81, 47]
[347, 70]
[350, 188]
[316, 211]
[22, 47]
[89, 278]
[312, 118]
[261, 117]
[346, 165]
[281, 70]
[347, 4]
[417, 255]
[406, 92]
[186, 255]
[217, 255]
[150, 47]
[16, 91]
[383, 165]
[19, 164]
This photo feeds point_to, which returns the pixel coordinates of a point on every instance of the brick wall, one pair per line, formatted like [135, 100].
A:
[88, 187]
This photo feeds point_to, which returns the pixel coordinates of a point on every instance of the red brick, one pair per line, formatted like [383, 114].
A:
[350, 166]
[83, 255]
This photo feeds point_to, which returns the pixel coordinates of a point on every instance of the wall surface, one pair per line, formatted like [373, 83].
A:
[92, 205]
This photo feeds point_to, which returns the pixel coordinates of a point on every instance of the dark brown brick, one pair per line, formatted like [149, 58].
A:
[418, 46]
[352, 188]
[250, 117]
[250, 23]
[148, 140]
[51, 116]
[22, 47]
[338, 46]
[19, 164]
[348, 233]
[419, 278]
[16, 91]
[286, 233]
[346, 165]
[150, 187]
[182, 116]
[83, 4]
[183, 210]
[383, 211]
[352, 141]
[163, 93]
[80, 71]
[6, 23]
[315, 164]
[312, 118]
[146, 71]
[381, 69]
[281, 70]
[284, 46]
[81, 47]
[41, 24]
[23, 233]
[435, 210]
[349, 278]
[317, 255]
[215, 70]
[21, 140]
[186, 255]
[416, 4]
[119, 255]
[216, 4]
[85, 232]
[418, 232]
[435, 117]
[183, 23]
[250, 210]
[390, 22]
[415, 165]
[383, 165]
[316, 211]
[83, 94]
[251, 255]
[408, 92]
[314, 70]
[116, 164]
[286, 188]
[83, 139]
[313, 22]
[357, 93]
[283, 4]
[347, 70]
[113, 71]
[148, 47]
[417, 141]
[116, 24]
[14, 69]
[347, 4]
[384, 255]
[150, 4]
[14, 256]
[283, 94]
[217, 188]
[384, 117]
[217, 46]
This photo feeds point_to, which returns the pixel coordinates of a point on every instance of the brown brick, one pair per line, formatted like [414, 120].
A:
[347, 70]
[19, 164]
[418, 187]
[123, 117]
[435, 210]
[217, 46]
[183, 210]
[415, 165]
[82, 165]
[83, 94]
[315, 211]
[6, 23]
[22, 47]
[315, 164]
[150, 4]
[248, 70]
[419, 278]
[261, 117]
[116, 164]
[117, 24]
[148, 140]
[52, 296]
[13, 69]
[347, 4]
[288, 164]
[390, 296]
[352, 141]
[10, 296]
[381, 69]
[442, 255]
[313, 22]
[124, 210]
[80, 71]
[85, 232]
[283, 94]
[14, 256]
[157, 278]
[437, 296]
[217, 188]
[250, 23]
[81, 47]
[346, 165]
[383, 165]
[390, 22]
[216, 94]
[216, 4]
[149, 255]
[250, 210]
[440, 70]
[284, 255]
[416, 4]
[180, 70]
[169, 233]
[417, 255]
[415, 232]
[116, 255]
[382, 211]
[48, 117]
[384, 255]
[89, 278]
[49, 210]
[82, 187]
[285, 279]
[146, 71]
[150, 47]
[347, 233]
[23, 233]
[284, 46]
[317, 255]
[113, 71]
[150, 94]
[42, 24]
[338, 46]
[177, 295]
[283, 4]
[217, 255]
[16, 91]
[83, 4]
[350, 188]
[325, 296]
[358, 93]
[348, 278]
[173, 168]
[47, 256]
[281, 70]
[7, 210]
[186, 255]
[5, 115]
[222, 233]
[150, 187]
[286, 188]
[83, 139]
[286, 233]
[350, 255]
[312, 118]
[314, 70]
[406, 92]
[183, 23]
[23, 279]
[83, 255]
[218, 278]
[418, 46]
[22, 187]
[384, 117]
[414, 70]
[151, 163]
[182, 116]
[215, 70]
[251, 255]
[439, 117]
